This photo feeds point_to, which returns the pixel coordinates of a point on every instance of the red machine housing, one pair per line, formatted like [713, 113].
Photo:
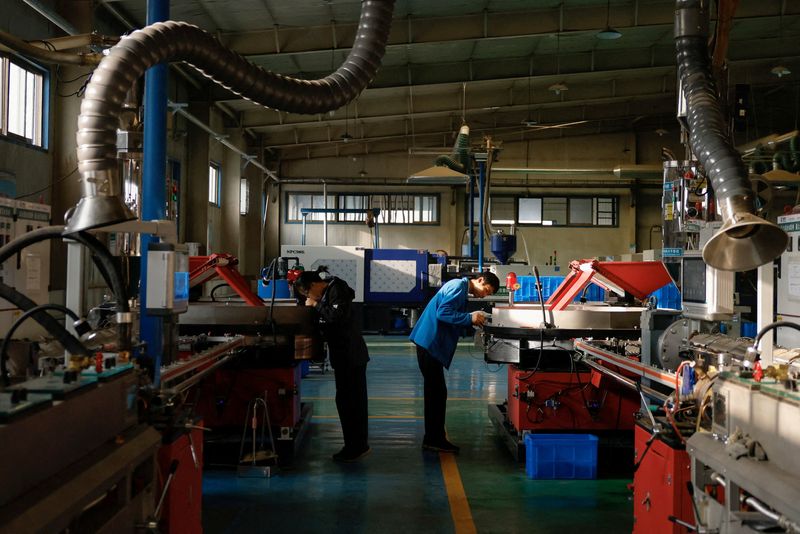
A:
[182, 508]
[659, 484]
[554, 401]
[224, 396]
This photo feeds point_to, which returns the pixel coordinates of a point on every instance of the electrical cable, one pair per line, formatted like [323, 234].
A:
[214, 290]
[21, 319]
[67, 340]
[43, 189]
[105, 264]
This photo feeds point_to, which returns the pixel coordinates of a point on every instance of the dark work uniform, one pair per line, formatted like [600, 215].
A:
[349, 357]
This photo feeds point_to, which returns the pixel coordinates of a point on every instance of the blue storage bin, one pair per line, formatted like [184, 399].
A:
[305, 367]
[281, 289]
[527, 289]
[561, 456]
[749, 329]
[668, 297]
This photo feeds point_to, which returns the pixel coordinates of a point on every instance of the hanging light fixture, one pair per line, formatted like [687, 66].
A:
[780, 71]
[609, 33]
[557, 88]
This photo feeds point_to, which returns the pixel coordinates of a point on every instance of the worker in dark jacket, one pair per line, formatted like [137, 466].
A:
[333, 298]
[436, 336]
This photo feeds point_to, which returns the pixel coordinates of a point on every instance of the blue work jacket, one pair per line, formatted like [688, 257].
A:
[443, 321]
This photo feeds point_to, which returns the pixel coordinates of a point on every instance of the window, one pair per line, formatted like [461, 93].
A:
[580, 211]
[299, 201]
[551, 211]
[214, 183]
[605, 211]
[396, 208]
[501, 210]
[554, 211]
[530, 211]
[22, 102]
[244, 196]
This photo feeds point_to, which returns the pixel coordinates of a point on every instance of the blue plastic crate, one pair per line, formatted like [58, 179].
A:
[749, 329]
[527, 289]
[561, 456]
[668, 297]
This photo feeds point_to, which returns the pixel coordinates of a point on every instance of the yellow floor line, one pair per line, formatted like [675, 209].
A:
[459, 506]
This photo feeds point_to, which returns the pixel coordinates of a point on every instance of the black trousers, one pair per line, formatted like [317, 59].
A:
[435, 391]
[351, 403]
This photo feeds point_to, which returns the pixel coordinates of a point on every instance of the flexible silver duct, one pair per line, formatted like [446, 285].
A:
[745, 240]
[101, 203]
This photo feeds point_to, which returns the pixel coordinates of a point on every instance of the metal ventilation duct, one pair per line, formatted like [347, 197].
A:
[745, 240]
[101, 203]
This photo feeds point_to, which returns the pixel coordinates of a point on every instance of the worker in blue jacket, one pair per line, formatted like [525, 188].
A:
[436, 336]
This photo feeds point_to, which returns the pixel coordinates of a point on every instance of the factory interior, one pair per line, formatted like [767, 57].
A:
[178, 179]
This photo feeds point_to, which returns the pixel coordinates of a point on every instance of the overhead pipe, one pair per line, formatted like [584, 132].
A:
[49, 56]
[745, 240]
[180, 109]
[458, 160]
[101, 203]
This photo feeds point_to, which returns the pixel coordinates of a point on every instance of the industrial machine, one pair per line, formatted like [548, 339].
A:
[550, 386]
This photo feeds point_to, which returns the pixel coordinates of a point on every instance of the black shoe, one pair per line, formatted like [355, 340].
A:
[441, 445]
[351, 455]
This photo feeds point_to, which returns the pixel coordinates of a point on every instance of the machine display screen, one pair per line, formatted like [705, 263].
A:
[694, 280]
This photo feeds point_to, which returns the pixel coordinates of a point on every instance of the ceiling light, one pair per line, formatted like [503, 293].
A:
[346, 137]
[558, 87]
[780, 71]
[437, 175]
[661, 132]
[529, 123]
[608, 34]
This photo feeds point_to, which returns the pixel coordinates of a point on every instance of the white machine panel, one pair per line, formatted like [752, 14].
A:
[788, 284]
[344, 262]
[32, 271]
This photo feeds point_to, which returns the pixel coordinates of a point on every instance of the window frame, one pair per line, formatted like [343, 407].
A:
[595, 216]
[217, 200]
[244, 197]
[39, 139]
[340, 198]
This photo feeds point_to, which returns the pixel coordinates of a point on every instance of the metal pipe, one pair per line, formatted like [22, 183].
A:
[783, 521]
[481, 194]
[101, 203]
[653, 394]
[745, 240]
[180, 109]
[75, 41]
[153, 184]
[471, 223]
[324, 215]
[49, 56]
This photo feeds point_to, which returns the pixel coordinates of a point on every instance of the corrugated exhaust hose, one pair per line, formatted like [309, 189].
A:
[745, 240]
[101, 203]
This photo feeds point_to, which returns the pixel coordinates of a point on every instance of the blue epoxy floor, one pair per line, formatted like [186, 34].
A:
[399, 488]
